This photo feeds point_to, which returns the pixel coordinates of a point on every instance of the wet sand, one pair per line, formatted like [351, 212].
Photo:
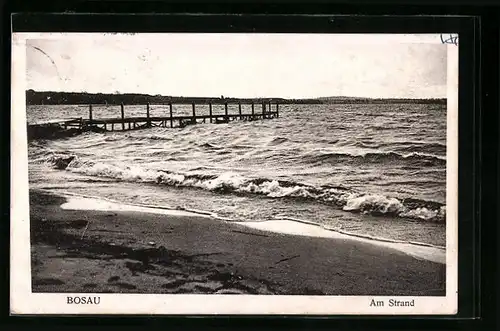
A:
[138, 252]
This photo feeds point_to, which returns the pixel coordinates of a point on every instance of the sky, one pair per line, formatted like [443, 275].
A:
[238, 65]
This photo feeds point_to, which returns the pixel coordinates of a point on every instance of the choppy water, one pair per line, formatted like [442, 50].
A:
[377, 170]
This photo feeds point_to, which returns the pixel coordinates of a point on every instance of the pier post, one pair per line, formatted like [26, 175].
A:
[263, 110]
[226, 111]
[194, 111]
[147, 115]
[253, 110]
[239, 109]
[277, 110]
[210, 111]
[171, 120]
[90, 113]
[123, 116]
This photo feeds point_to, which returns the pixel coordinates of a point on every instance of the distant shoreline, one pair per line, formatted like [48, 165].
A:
[76, 98]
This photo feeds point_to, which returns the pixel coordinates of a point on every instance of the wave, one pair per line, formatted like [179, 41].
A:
[376, 157]
[229, 182]
[128, 136]
[211, 146]
[277, 141]
[429, 148]
[432, 148]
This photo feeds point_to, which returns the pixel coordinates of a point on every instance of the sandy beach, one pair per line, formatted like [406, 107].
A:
[136, 252]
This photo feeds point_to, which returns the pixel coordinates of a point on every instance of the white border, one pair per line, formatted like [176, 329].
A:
[23, 301]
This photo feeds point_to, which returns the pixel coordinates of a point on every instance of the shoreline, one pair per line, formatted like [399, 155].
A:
[125, 251]
[88, 202]
[280, 225]
[39, 98]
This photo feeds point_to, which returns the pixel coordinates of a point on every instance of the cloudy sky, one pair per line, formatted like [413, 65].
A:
[238, 65]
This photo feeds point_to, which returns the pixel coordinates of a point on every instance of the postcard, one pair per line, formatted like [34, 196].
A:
[235, 173]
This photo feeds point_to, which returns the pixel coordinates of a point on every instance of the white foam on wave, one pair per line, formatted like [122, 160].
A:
[386, 205]
[424, 213]
[432, 254]
[374, 201]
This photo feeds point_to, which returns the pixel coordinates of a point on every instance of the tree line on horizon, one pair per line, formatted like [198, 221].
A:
[77, 98]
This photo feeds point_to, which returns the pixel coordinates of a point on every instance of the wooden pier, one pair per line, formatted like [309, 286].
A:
[72, 126]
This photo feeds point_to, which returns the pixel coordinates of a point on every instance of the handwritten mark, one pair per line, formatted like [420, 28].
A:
[85, 230]
[449, 38]
[287, 259]
[253, 234]
[48, 56]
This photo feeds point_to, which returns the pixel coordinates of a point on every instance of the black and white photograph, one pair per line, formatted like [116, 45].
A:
[236, 173]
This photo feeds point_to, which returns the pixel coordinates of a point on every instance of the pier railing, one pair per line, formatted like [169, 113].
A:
[123, 123]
